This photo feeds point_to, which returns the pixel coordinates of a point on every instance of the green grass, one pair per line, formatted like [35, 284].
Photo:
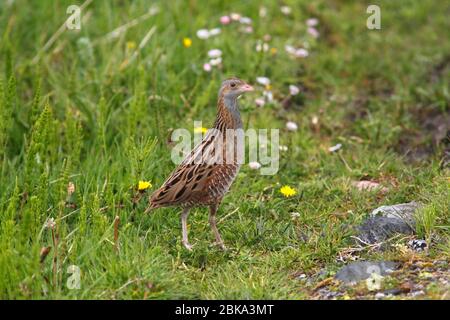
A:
[80, 116]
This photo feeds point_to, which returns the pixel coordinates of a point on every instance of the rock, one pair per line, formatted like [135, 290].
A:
[417, 293]
[379, 295]
[404, 211]
[301, 277]
[361, 270]
[417, 245]
[385, 221]
[366, 185]
[393, 292]
[445, 162]
[327, 294]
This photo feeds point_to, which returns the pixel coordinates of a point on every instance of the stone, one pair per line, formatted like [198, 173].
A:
[379, 295]
[417, 245]
[393, 292]
[387, 221]
[361, 270]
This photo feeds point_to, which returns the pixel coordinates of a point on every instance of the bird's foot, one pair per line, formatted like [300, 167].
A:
[187, 245]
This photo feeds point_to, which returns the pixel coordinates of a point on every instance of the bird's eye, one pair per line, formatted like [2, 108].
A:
[233, 84]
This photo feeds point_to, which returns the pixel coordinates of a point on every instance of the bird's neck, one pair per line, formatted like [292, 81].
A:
[228, 116]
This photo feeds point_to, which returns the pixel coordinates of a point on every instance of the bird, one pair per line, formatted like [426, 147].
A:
[205, 175]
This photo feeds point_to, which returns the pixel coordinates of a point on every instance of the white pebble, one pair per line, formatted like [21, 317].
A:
[379, 295]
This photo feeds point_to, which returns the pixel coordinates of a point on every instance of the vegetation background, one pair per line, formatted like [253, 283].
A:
[87, 117]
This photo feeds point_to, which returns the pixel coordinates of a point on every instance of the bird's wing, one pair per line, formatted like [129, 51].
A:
[204, 152]
[188, 182]
[184, 186]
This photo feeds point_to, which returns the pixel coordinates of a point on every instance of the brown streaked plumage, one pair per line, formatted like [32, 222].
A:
[202, 179]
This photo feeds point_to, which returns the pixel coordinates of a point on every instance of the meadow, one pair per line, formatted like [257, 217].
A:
[86, 118]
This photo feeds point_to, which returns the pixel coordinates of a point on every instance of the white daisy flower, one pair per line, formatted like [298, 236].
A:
[286, 10]
[268, 95]
[260, 46]
[297, 52]
[225, 20]
[291, 126]
[50, 223]
[214, 32]
[293, 90]
[247, 29]
[235, 16]
[254, 165]
[214, 53]
[312, 22]
[335, 148]
[245, 20]
[207, 67]
[301, 53]
[290, 49]
[313, 32]
[263, 80]
[262, 12]
[260, 102]
[295, 215]
[215, 62]
[203, 34]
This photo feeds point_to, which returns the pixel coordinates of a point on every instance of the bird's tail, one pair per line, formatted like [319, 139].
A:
[152, 204]
[151, 207]
[148, 210]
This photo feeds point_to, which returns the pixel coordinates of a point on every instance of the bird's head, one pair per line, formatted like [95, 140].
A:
[233, 88]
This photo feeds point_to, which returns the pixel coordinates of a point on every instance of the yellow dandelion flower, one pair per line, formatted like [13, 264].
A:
[200, 130]
[131, 45]
[187, 42]
[287, 191]
[273, 51]
[144, 185]
[268, 87]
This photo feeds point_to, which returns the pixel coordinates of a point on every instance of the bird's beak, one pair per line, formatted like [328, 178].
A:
[247, 88]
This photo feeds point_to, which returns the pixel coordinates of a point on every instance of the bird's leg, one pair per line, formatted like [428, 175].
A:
[184, 216]
[213, 223]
